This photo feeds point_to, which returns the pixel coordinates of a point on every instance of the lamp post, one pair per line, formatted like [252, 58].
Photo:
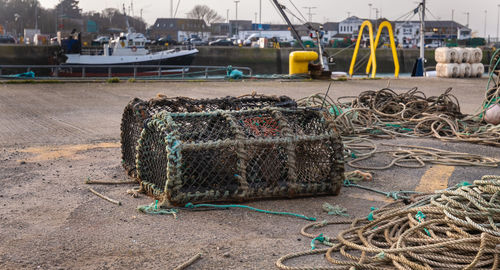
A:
[485, 16]
[236, 15]
[236, 3]
[467, 14]
[36, 14]
[376, 13]
[370, 10]
[260, 11]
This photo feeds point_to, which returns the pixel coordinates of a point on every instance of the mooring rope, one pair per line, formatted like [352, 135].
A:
[455, 229]
[387, 114]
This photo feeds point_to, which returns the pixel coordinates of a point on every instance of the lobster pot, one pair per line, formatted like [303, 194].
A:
[475, 55]
[239, 155]
[138, 111]
[445, 55]
[477, 70]
[464, 70]
[447, 70]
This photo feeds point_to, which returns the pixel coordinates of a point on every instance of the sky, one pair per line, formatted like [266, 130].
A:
[324, 10]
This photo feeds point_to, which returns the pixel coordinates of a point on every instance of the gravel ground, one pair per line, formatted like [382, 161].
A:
[54, 136]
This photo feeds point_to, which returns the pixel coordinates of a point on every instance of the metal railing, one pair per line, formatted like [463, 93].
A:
[99, 50]
[156, 71]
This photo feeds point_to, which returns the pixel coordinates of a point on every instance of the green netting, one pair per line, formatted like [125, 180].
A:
[138, 111]
[239, 155]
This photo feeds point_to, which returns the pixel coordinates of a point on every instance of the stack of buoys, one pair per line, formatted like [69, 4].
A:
[459, 62]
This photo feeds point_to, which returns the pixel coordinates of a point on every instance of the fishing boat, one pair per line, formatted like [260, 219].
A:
[128, 52]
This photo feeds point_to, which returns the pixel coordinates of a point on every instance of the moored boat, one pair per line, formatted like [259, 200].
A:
[125, 52]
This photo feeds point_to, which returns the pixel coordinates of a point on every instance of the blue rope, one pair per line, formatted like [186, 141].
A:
[191, 206]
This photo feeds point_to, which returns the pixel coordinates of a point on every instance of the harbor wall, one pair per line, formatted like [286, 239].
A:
[262, 61]
[275, 61]
[27, 55]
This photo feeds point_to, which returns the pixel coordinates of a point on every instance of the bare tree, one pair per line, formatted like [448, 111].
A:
[205, 13]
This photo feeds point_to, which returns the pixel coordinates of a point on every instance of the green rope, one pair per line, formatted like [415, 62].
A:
[335, 210]
[153, 209]
[191, 206]
[320, 238]
[396, 195]
[421, 218]
[370, 215]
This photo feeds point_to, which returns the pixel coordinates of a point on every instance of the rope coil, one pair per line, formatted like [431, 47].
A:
[457, 228]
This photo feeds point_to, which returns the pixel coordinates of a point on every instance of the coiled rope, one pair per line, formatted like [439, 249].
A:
[454, 229]
[387, 114]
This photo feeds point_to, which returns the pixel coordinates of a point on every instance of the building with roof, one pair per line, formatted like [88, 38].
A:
[179, 29]
[436, 32]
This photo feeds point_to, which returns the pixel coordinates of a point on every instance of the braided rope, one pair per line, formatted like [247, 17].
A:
[454, 229]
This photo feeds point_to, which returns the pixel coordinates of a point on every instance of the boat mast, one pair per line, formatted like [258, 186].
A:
[126, 19]
[294, 31]
[422, 31]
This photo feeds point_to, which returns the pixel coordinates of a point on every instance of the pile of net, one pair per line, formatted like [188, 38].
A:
[138, 111]
[385, 114]
[238, 155]
[457, 228]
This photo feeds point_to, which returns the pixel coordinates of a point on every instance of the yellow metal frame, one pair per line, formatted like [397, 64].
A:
[387, 25]
[373, 48]
[356, 49]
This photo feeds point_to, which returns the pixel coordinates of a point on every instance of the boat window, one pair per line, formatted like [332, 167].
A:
[123, 38]
[130, 42]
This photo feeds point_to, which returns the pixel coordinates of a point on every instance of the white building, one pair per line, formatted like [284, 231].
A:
[407, 33]
[436, 32]
[350, 25]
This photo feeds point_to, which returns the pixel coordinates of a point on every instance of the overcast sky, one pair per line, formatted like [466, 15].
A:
[326, 10]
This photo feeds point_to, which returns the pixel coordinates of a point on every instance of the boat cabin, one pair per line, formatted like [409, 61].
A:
[127, 44]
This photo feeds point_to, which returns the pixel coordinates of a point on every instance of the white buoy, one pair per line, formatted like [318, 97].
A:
[447, 70]
[445, 55]
[492, 114]
[477, 70]
[462, 55]
[464, 70]
[475, 55]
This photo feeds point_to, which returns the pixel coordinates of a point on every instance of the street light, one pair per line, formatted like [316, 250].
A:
[260, 11]
[236, 16]
[376, 13]
[370, 10]
[485, 15]
[236, 3]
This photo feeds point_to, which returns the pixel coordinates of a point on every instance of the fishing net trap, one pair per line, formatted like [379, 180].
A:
[239, 155]
[138, 111]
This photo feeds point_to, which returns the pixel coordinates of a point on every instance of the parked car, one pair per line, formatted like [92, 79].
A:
[196, 42]
[432, 45]
[221, 42]
[99, 41]
[164, 40]
[7, 39]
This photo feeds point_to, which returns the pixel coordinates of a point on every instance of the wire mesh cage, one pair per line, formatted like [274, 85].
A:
[239, 155]
[138, 111]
